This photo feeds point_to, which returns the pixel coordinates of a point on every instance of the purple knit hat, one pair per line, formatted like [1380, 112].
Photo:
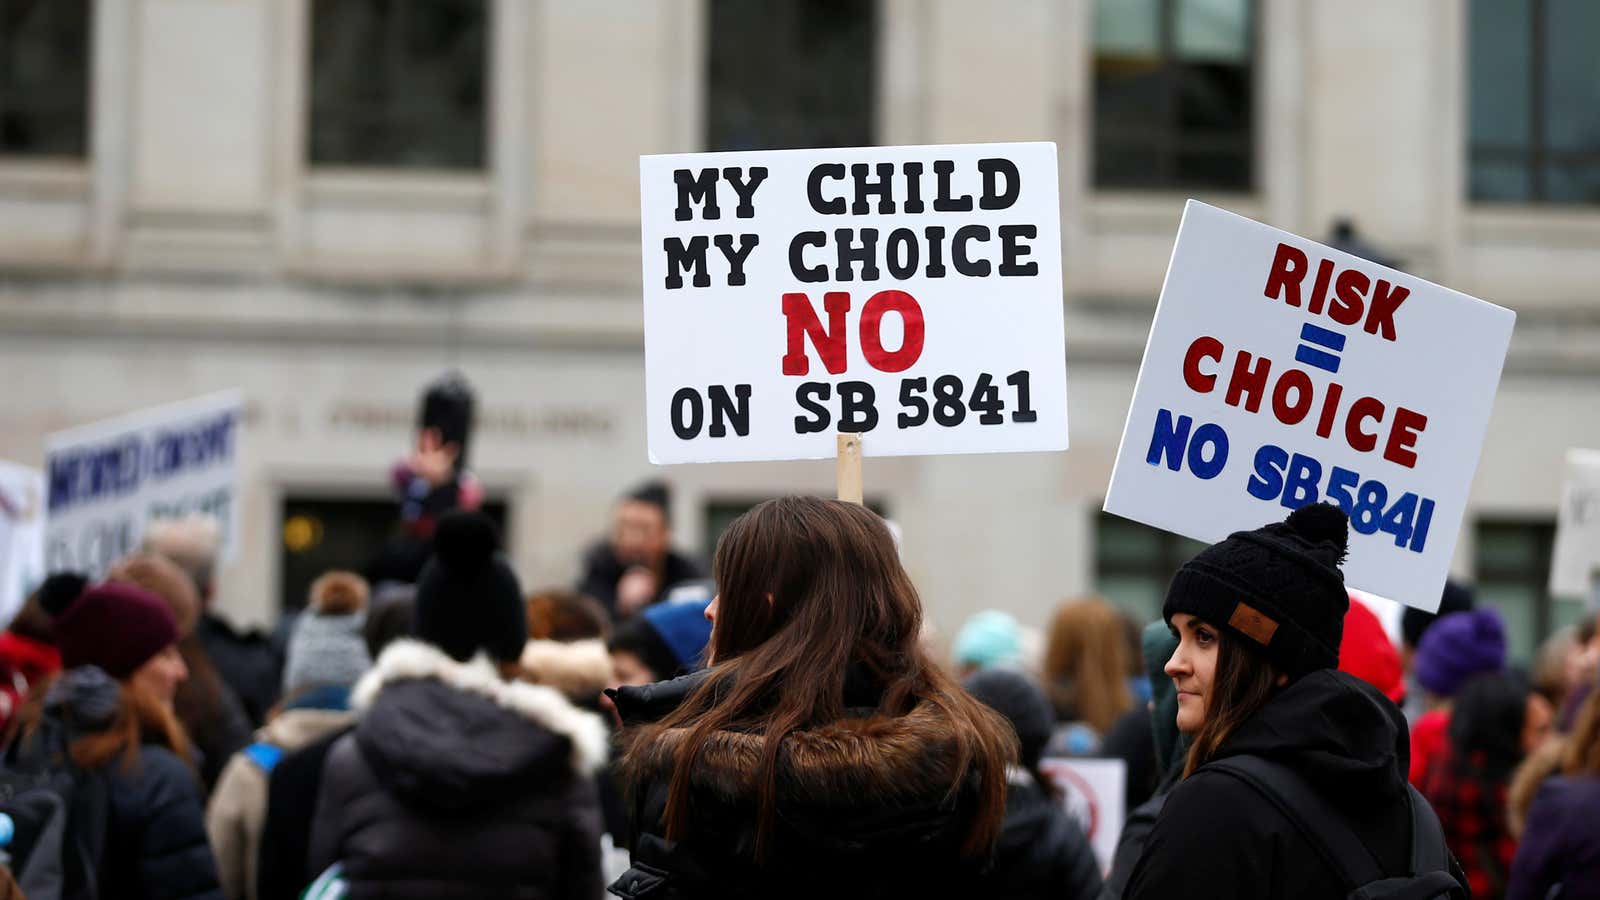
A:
[116, 626]
[1457, 647]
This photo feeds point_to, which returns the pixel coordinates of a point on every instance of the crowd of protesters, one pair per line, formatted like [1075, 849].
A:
[785, 725]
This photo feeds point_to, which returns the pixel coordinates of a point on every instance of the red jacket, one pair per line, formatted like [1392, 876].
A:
[24, 661]
[1428, 741]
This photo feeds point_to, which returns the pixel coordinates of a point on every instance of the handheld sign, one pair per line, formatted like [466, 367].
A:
[1093, 791]
[911, 295]
[108, 479]
[21, 536]
[1280, 372]
[1575, 565]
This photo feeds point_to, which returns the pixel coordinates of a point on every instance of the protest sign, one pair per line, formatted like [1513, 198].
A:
[1093, 791]
[1280, 372]
[908, 294]
[21, 536]
[1575, 564]
[106, 480]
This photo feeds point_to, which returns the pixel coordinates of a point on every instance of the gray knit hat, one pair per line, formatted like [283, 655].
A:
[327, 646]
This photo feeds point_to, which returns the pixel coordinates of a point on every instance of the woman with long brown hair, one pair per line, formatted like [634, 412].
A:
[1087, 661]
[1291, 760]
[1560, 850]
[109, 712]
[822, 753]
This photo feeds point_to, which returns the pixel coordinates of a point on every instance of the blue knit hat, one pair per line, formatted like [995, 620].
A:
[989, 638]
[682, 626]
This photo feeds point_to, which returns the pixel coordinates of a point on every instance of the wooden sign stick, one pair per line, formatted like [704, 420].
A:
[850, 468]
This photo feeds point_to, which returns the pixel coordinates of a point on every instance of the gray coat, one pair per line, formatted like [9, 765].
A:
[457, 784]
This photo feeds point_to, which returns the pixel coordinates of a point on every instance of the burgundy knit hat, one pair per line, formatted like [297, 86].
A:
[115, 626]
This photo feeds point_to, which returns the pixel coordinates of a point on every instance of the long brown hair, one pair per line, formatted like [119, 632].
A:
[1086, 663]
[807, 588]
[138, 714]
[1583, 745]
[1243, 683]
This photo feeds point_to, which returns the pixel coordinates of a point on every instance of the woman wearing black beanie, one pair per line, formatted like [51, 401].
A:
[1295, 784]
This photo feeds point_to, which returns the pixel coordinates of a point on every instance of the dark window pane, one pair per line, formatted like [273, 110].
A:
[1498, 59]
[1500, 181]
[1572, 76]
[1573, 182]
[44, 77]
[398, 83]
[789, 74]
[1174, 94]
[1512, 568]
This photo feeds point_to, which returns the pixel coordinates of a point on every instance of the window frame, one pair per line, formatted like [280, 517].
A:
[1169, 140]
[1536, 577]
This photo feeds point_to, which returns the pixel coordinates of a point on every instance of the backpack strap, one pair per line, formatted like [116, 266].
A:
[1323, 827]
[264, 755]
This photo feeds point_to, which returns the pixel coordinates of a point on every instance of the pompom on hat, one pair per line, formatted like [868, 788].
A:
[1277, 590]
[468, 600]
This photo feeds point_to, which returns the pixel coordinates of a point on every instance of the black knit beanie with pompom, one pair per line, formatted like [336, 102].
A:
[1277, 590]
[468, 599]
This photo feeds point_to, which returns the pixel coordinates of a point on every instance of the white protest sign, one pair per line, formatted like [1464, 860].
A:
[108, 479]
[22, 498]
[1094, 793]
[910, 294]
[1280, 372]
[1576, 561]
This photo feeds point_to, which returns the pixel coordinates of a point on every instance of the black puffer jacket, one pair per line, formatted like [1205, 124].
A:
[1217, 838]
[1043, 852]
[864, 809]
[155, 842]
[458, 784]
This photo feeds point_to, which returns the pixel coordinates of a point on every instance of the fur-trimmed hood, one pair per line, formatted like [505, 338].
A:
[451, 734]
[853, 762]
[578, 669]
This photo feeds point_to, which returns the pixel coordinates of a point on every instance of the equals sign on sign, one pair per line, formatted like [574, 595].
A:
[1319, 347]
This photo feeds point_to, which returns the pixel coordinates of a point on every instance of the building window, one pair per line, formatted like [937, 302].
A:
[44, 78]
[322, 533]
[1174, 96]
[790, 74]
[1512, 565]
[399, 84]
[1134, 564]
[1535, 101]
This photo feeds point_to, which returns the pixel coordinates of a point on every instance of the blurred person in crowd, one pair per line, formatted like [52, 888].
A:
[666, 640]
[1530, 775]
[109, 711]
[1043, 851]
[246, 660]
[28, 652]
[1086, 665]
[456, 782]
[823, 753]
[431, 481]
[212, 715]
[987, 638]
[1457, 647]
[1497, 720]
[636, 566]
[1259, 618]
[1414, 623]
[326, 656]
[566, 646]
[1558, 666]
[296, 780]
[1559, 855]
[1169, 751]
[1586, 666]
[1366, 652]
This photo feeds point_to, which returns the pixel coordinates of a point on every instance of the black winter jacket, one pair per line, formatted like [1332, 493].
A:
[1043, 852]
[155, 842]
[1217, 838]
[864, 809]
[602, 570]
[455, 783]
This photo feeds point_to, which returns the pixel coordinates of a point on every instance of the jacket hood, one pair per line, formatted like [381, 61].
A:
[1341, 733]
[578, 669]
[448, 735]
